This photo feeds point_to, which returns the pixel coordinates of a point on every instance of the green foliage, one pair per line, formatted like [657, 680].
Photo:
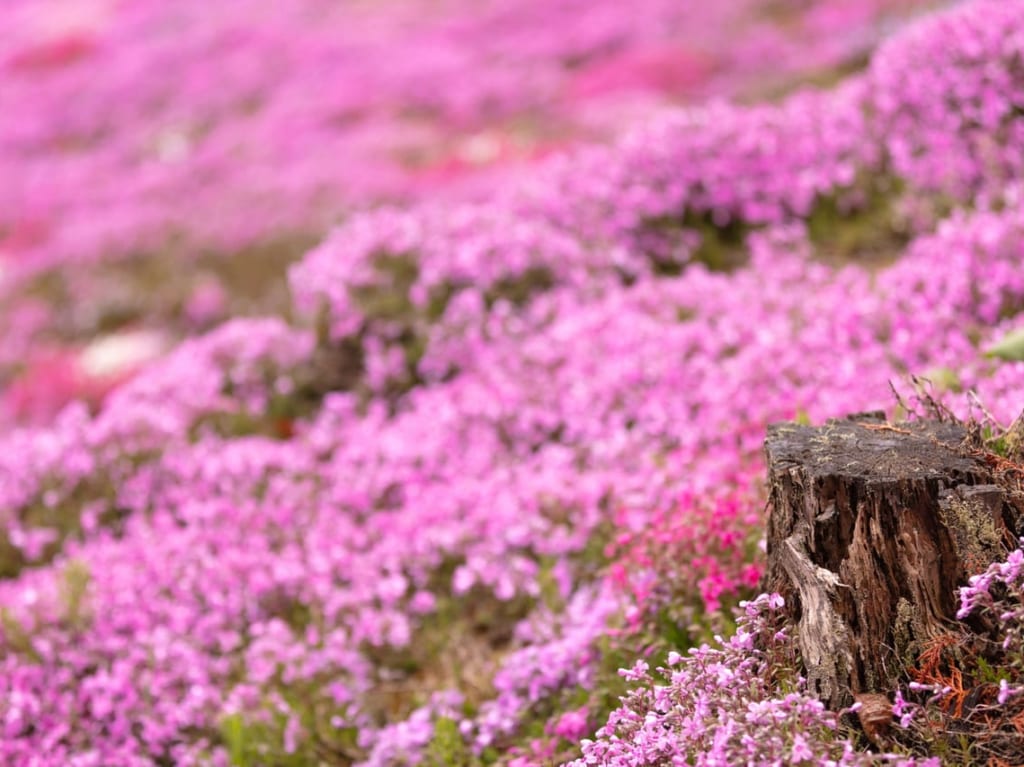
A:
[388, 299]
[989, 673]
[944, 379]
[550, 594]
[521, 288]
[459, 646]
[722, 247]
[685, 314]
[74, 587]
[75, 611]
[859, 224]
[16, 637]
[252, 744]
[1010, 347]
[261, 740]
[447, 748]
[232, 731]
[62, 517]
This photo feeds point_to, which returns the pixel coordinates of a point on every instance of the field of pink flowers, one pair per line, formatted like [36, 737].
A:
[384, 383]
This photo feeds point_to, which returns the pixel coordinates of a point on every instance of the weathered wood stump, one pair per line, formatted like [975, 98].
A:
[872, 529]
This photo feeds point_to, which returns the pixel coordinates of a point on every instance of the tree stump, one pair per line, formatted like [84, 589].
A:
[872, 529]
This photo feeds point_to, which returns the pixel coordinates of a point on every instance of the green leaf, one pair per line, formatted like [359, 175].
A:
[944, 379]
[448, 748]
[73, 591]
[1009, 347]
[232, 729]
[16, 636]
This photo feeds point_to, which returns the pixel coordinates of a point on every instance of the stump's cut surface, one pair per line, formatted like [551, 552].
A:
[872, 529]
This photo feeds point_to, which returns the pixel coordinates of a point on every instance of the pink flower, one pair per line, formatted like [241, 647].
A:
[572, 725]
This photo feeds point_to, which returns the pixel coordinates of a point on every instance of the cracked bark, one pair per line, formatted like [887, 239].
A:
[872, 529]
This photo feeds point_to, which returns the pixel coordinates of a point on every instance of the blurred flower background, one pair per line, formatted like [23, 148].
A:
[164, 162]
[383, 382]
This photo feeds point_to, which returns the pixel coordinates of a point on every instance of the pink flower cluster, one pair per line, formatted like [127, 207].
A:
[233, 369]
[540, 371]
[651, 543]
[948, 97]
[720, 705]
[223, 125]
[626, 400]
[590, 219]
[148, 132]
[998, 594]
